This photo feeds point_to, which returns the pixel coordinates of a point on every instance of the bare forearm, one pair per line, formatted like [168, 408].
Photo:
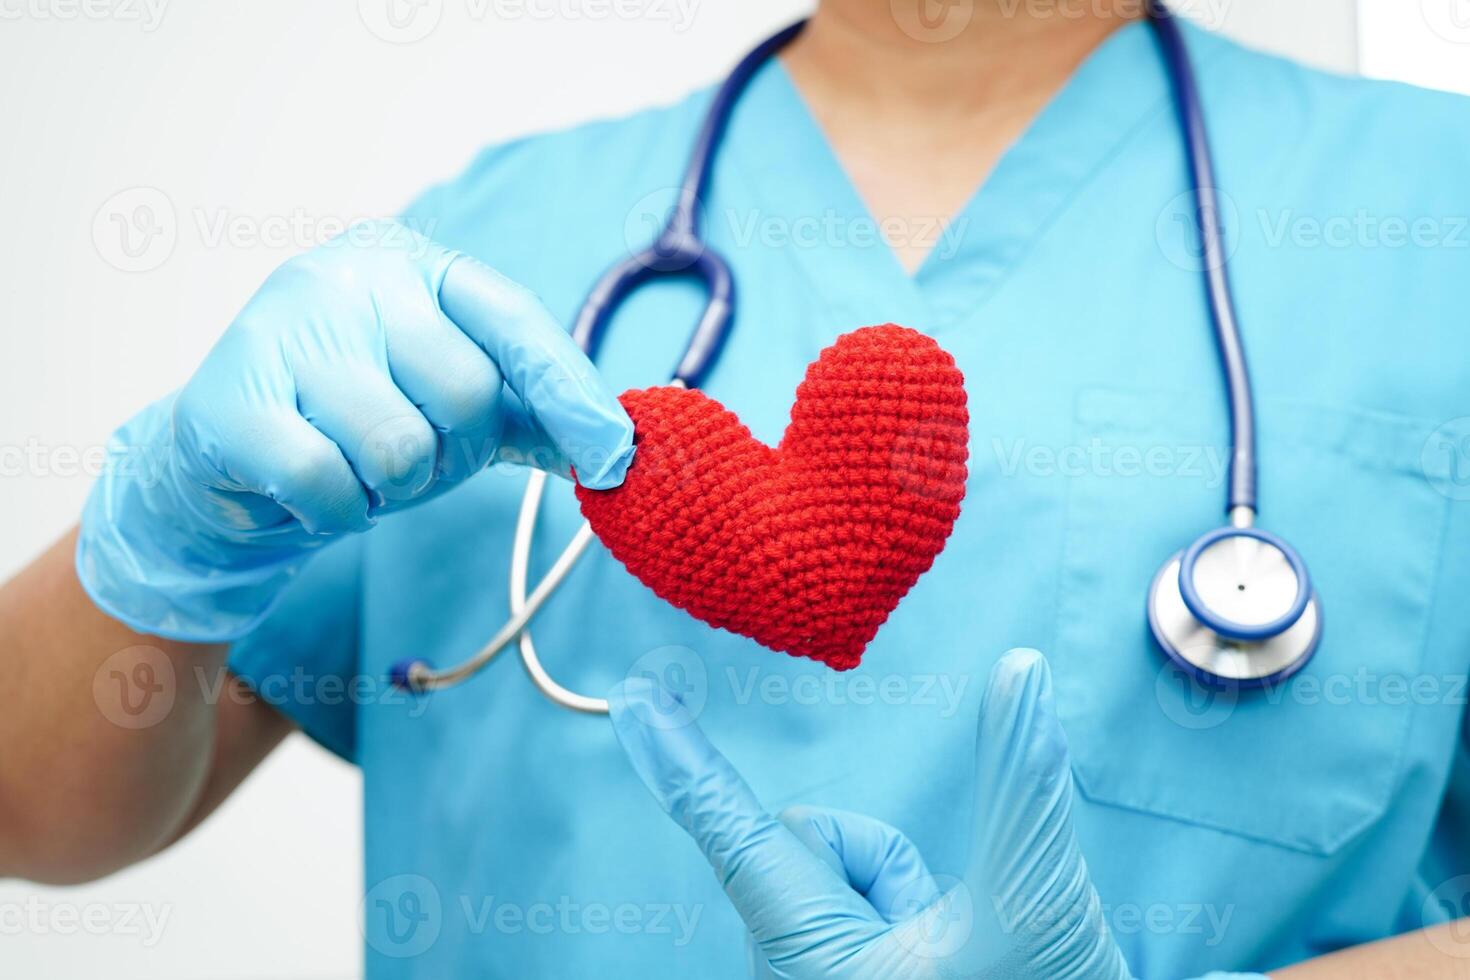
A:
[1440, 953]
[108, 734]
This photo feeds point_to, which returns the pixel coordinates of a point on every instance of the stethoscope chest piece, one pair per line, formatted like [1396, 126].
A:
[1236, 608]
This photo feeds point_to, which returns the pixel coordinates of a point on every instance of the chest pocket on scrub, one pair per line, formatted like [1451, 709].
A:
[1347, 488]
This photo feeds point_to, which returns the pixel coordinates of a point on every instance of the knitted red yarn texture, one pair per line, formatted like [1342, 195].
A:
[805, 548]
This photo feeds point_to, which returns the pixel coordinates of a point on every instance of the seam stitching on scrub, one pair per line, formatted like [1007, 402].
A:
[1331, 843]
[986, 294]
[1433, 604]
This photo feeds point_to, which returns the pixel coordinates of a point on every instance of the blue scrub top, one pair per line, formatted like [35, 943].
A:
[508, 838]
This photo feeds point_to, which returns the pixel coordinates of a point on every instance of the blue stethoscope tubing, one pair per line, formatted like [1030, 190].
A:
[1208, 643]
[678, 250]
[1272, 624]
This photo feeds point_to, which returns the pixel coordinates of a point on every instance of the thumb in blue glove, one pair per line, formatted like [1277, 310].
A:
[364, 377]
[831, 894]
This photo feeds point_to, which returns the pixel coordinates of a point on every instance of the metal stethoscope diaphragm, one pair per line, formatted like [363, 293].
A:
[1235, 608]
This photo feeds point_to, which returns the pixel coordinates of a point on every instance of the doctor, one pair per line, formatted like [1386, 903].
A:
[329, 494]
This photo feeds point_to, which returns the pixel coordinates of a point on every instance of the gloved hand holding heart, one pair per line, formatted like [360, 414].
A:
[805, 548]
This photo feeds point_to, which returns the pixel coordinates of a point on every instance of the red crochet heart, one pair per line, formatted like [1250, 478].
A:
[805, 548]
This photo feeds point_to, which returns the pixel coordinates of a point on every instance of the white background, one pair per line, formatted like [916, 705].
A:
[248, 130]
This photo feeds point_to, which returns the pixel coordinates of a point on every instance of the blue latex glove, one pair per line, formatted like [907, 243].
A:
[365, 376]
[839, 896]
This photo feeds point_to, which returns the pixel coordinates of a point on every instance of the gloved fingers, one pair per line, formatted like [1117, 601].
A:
[286, 459]
[553, 379]
[387, 441]
[1022, 762]
[523, 441]
[454, 384]
[1026, 889]
[1025, 858]
[777, 885]
[876, 859]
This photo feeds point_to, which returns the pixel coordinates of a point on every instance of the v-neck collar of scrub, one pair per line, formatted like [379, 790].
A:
[802, 194]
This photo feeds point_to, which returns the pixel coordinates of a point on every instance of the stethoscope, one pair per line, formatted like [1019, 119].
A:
[1234, 608]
